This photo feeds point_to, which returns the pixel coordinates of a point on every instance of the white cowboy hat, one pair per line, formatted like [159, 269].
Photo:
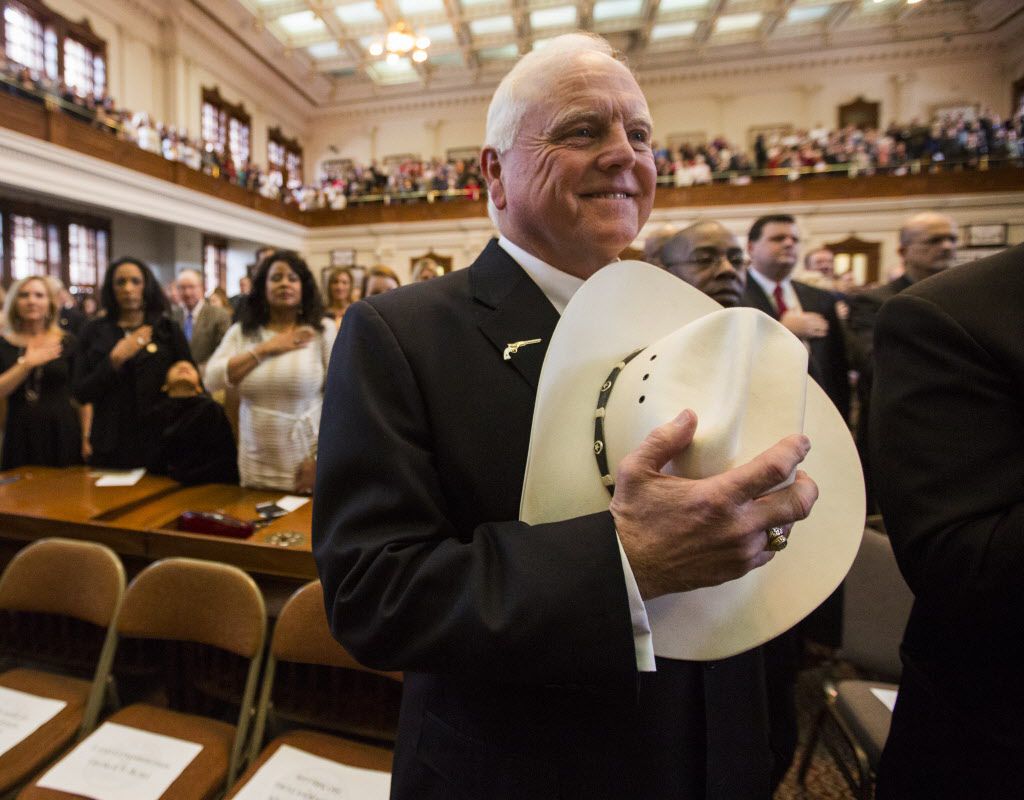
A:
[746, 377]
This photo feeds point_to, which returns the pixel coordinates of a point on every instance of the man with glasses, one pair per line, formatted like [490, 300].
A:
[705, 255]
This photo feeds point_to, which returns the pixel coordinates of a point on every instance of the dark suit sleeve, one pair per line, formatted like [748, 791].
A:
[404, 588]
[947, 435]
[838, 364]
[861, 327]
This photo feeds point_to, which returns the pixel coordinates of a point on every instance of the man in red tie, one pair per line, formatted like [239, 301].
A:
[773, 245]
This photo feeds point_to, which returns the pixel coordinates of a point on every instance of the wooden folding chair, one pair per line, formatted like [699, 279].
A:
[311, 681]
[70, 591]
[202, 602]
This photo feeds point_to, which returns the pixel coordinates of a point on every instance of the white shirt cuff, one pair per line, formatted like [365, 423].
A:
[643, 642]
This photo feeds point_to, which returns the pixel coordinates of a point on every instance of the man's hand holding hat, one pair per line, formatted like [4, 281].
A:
[682, 534]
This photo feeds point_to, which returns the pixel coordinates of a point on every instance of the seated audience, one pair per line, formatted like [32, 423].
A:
[379, 279]
[339, 294]
[276, 355]
[122, 360]
[43, 425]
[196, 444]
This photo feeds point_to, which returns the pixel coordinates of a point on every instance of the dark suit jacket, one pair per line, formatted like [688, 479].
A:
[947, 433]
[827, 363]
[864, 308]
[207, 329]
[516, 642]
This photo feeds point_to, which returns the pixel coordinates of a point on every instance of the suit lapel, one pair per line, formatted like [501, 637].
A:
[808, 300]
[754, 297]
[517, 311]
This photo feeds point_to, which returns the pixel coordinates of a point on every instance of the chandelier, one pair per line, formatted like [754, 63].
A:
[399, 42]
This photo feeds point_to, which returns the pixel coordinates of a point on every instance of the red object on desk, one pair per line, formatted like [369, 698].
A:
[214, 524]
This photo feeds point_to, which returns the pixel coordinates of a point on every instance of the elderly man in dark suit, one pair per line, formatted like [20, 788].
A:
[947, 435]
[927, 246]
[204, 324]
[526, 649]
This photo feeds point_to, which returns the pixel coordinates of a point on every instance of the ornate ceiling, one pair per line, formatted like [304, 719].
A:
[475, 41]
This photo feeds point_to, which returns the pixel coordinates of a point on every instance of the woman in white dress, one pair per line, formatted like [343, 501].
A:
[276, 356]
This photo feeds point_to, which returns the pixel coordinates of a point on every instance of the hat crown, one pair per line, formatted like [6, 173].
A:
[744, 375]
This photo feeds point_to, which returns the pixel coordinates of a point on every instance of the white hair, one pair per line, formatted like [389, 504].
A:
[529, 79]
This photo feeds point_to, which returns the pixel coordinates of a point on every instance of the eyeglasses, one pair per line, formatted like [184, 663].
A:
[705, 260]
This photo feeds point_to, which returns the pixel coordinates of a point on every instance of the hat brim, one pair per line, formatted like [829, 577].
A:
[626, 306]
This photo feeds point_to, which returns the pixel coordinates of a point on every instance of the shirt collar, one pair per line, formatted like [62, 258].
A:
[767, 284]
[195, 311]
[558, 287]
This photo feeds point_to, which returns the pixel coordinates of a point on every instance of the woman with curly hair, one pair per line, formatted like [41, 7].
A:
[123, 357]
[276, 355]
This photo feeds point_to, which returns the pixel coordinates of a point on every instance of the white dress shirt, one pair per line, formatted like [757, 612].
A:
[559, 287]
[768, 285]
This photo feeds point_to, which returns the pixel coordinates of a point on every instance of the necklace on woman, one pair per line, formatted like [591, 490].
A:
[34, 383]
[150, 348]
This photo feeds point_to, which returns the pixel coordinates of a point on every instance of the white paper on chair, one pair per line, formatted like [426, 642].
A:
[886, 696]
[121, 763]
[21, 714]
[293, 774]
[128, 478]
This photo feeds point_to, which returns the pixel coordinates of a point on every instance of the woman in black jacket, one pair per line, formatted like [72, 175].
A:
[123, 358]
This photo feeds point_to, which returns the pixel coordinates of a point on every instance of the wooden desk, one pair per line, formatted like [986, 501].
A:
[138, 520]
[281, 547]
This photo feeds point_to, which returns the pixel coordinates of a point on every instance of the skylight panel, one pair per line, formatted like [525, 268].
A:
[807, 13]
[617, 9]
[505, 53]
[438, 34]
[679, 5]
[324, 49]
[301, 22]
[738, 22]
[489, 25]
[365, 13]
[673, 30]
[400, 72]
[411, 8]
[559, 16]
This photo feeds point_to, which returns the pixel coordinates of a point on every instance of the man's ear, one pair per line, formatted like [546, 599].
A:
[490, 166]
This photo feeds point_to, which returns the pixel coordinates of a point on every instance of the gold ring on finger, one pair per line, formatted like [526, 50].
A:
[777, 540]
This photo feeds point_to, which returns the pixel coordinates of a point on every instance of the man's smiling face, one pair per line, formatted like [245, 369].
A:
[578, 183]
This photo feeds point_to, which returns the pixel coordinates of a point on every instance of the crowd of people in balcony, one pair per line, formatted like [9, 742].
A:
[962, 139]
[898, 149]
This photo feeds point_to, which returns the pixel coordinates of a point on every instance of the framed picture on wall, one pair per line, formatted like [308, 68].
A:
[343, 258]
[965, 255]
[985, 235]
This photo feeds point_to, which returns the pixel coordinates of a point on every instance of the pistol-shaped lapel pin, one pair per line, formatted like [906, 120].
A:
[513, 347]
